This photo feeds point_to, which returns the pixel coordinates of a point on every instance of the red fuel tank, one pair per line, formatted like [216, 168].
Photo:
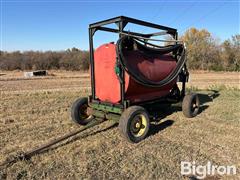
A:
[154, 68]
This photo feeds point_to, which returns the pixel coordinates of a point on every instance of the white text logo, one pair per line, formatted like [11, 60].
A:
[201, 171]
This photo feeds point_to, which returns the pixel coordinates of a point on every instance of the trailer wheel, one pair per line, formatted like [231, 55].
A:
[190, 105]
[79, 111]
[134, 124]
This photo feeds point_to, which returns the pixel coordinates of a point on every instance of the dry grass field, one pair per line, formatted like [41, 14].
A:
[33, 111]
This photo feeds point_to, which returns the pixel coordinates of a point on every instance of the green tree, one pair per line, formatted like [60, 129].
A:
[202, 50]
[231, 53]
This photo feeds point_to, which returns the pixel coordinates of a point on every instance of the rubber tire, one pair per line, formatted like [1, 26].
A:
[187, 105]
[75, 111]
[125, 121]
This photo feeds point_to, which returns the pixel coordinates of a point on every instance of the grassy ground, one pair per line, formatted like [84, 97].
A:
[34, 111]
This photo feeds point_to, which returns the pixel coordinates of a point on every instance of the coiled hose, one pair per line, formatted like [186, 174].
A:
[125, 41]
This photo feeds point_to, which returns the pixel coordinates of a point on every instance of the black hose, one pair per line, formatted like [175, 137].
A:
[138, 77]
[154, 45]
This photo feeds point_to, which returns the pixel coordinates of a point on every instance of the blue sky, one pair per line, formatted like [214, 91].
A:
[58, 25]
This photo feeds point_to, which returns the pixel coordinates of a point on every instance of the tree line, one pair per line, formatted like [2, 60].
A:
[204, 52]
[71, 59]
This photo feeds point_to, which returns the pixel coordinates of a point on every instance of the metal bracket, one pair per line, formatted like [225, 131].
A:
[93, 30]
[121, 25]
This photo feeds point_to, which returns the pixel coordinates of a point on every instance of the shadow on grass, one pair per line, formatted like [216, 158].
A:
[161, 111]
[205, 98]
[155, 128]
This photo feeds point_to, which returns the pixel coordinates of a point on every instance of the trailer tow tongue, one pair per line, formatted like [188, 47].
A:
[27, 155]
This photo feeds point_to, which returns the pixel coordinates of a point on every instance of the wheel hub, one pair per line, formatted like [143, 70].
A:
[138, 125]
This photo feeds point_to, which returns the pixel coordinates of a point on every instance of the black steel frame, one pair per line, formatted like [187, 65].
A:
[121, 22]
